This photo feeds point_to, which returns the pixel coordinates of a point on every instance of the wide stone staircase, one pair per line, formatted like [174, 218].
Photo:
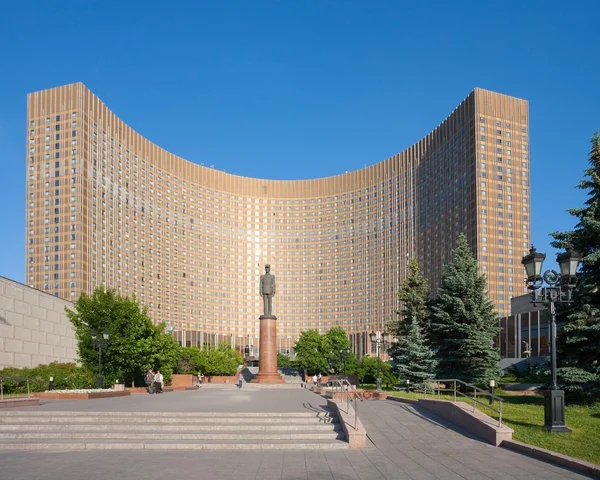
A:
[28, 430]
[291, 375]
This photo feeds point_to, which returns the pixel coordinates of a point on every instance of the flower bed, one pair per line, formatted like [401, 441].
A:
[83, 394]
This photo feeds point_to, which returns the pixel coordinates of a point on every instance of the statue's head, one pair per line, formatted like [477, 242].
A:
[267, 267]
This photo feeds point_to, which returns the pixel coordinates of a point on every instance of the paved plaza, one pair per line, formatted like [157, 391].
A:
[405, 443]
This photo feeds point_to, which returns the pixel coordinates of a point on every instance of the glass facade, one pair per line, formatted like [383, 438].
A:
[524, 335]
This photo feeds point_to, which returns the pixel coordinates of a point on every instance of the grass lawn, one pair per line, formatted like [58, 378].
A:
[525, 415]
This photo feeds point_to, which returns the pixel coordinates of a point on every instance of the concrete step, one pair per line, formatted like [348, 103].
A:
[222, 445]
[29, 413]
[170, 428]
[164, 430]
[252, 436]
[158, 420]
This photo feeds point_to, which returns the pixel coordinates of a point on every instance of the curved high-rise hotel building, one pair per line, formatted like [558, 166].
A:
[106, 206]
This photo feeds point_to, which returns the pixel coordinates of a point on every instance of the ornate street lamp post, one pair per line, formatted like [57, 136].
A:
[344, 352]
[99, 344]
[379, 339]
[559, 290]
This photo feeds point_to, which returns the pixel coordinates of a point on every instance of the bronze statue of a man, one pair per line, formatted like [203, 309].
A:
[267, 290]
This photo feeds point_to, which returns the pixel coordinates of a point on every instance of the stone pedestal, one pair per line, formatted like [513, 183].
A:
[554, 411]
[267, 363]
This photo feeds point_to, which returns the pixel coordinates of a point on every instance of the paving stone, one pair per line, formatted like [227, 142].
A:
[407, 444]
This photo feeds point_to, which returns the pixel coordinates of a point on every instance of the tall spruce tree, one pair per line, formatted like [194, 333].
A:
[578, 344]
[463, 321]
[412, 356]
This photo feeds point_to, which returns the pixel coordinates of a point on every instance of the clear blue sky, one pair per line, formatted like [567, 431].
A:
[303, 89]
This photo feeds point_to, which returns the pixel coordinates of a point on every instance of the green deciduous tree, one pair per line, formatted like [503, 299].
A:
[578, 344]
[463, 321]
[191, 361]
[222, 360]
[412, 356]
[335, 345]
[134, 345]
[309, 352]
[367, 371]
[283, 361]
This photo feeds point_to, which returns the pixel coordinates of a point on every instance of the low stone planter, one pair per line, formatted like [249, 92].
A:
[19, 402]
[179, 382]
[136, 390]
[219, 379]
[79, 395]
[374, 395]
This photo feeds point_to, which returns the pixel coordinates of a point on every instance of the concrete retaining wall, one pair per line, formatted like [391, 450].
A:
[34, 328]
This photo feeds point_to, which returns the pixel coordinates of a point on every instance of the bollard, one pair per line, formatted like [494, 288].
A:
[492, 391]
[51, 385]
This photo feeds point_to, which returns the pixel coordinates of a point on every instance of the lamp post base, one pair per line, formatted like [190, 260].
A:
[100, 382]
[554, 411]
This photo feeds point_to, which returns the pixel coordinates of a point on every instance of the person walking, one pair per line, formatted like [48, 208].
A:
[200, 379]
[149, 381]
[158, 382]
[315, 379]
[240, 381]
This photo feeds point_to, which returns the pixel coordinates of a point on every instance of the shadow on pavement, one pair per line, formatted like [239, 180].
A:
[430, 417]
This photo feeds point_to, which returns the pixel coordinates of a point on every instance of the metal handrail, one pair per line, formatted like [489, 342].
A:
[456, 381]
[345, 387]
[14, 379]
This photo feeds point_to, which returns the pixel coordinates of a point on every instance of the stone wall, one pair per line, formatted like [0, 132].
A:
[34, 328]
